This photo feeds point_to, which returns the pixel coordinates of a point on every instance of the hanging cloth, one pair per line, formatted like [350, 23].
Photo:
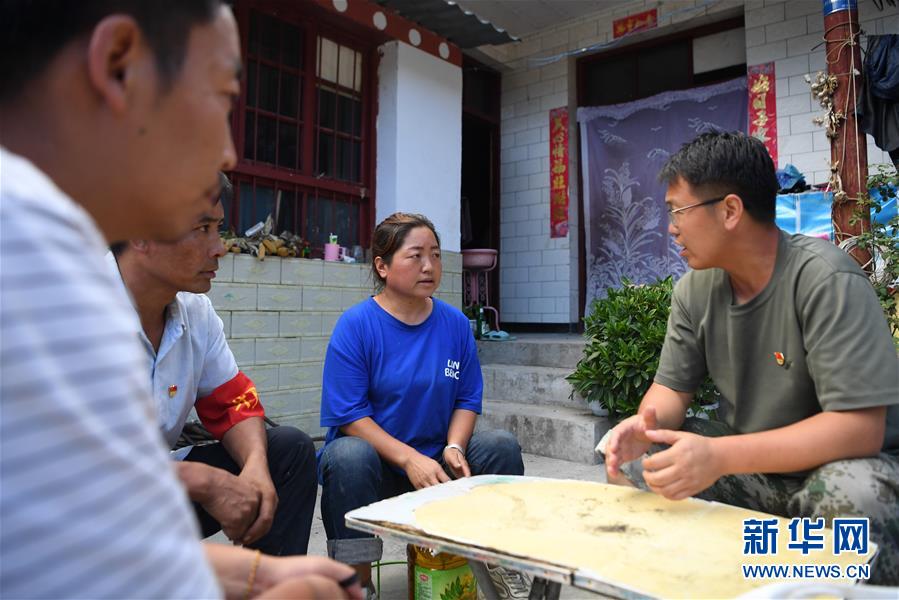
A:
[878, 107]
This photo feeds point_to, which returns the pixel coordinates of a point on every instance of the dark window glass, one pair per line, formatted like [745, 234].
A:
[268, 88]
[325, 155]
[289, 106]
[345, 223]
[287, 145]
[345, 108]
[269, 38]
[344, 159]
[287, 213]
[292, 48]
[253, 43]
[266, 139]
[318, 220]
[251, 84]
[326, 113]
[249, 135]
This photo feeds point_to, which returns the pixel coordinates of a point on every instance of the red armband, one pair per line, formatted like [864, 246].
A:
[229, 404]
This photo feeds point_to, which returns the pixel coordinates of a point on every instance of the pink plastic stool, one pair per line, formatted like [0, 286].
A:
[476, 264]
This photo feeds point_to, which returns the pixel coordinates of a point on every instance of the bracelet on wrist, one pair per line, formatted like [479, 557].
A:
[251, 580]
[455, 447]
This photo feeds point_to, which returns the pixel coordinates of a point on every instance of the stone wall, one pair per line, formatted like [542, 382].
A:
[279, 314]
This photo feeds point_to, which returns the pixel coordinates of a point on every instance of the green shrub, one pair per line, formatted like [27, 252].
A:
[882, 242]
[624, 332]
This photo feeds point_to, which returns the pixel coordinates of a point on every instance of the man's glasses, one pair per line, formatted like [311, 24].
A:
[674, 212]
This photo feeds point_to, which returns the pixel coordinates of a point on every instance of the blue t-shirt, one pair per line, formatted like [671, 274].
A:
[408, 378]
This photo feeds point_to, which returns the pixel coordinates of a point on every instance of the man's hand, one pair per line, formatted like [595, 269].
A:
[629, 441]
[255, 473]
[455, 460]
[277, 570]
[233, 502]
[688, 467]
[423, 471]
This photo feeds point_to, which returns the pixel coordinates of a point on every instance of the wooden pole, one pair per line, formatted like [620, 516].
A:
[848, 150]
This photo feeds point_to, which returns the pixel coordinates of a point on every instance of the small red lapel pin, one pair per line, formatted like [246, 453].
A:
[173, 389]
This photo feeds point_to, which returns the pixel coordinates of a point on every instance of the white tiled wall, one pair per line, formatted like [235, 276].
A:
[539, 275]
[279, 315]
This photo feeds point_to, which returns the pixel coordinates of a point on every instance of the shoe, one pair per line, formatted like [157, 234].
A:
[509, 584]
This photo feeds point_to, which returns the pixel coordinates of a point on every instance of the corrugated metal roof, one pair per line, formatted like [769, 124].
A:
[448, 19]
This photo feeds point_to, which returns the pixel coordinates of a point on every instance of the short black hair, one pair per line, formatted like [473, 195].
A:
[33, 32]
[728, 163]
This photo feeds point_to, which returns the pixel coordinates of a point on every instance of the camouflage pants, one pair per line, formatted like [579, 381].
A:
[861, 487]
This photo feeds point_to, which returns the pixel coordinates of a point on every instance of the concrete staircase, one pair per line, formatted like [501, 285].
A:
[525, 392]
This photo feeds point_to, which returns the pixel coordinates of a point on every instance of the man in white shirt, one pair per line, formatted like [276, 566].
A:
[113, 125]
[258, 485]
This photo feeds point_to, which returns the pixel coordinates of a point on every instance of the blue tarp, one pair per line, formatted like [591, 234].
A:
[809, 213]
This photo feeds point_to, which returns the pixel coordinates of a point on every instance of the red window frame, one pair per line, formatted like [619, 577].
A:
[313, 193]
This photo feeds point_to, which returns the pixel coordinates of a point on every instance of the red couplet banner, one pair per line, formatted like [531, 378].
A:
[558, 172]
[763, 107]
[633, 23]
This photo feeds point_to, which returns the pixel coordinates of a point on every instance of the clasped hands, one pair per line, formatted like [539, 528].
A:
[424, 472]
[245, 504]
[686, 468]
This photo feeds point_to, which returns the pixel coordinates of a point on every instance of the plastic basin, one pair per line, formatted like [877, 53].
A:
[479, 258]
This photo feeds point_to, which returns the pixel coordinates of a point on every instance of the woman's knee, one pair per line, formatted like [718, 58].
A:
[503, 452]
[349, 457]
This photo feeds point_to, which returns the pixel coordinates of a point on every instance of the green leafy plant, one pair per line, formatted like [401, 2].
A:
[624, 333]
[882, 243]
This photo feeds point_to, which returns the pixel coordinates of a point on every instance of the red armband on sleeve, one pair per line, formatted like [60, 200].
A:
[229, 404]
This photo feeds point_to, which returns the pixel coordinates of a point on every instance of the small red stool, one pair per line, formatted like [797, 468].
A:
[476, 264]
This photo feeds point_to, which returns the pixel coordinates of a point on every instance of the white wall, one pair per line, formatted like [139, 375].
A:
[539, 275]
[420, 138]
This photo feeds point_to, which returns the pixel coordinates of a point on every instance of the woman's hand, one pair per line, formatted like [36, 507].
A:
[423, 471]
[455, 460]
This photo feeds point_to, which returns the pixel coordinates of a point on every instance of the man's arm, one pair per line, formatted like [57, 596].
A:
[247, 443]
[279, 577]
[695, 462]
[231, 501]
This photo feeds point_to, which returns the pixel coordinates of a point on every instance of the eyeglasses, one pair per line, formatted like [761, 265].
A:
[673, 212]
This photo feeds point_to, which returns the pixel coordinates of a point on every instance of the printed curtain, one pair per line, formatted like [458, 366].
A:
[623, 147]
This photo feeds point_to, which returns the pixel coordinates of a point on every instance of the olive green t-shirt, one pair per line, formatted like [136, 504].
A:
[815, 339]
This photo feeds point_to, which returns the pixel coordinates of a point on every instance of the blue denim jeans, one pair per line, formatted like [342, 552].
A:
[353, 475]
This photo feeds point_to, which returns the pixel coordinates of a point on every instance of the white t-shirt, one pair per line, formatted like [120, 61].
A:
[193, 357]
[89, 503]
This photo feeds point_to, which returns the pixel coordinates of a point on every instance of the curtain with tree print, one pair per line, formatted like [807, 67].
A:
[623, 147]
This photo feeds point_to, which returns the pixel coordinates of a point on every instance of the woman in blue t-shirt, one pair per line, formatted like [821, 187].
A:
[401, 392]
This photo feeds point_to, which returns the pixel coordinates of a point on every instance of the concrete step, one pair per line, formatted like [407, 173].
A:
[552, 431]
[529, 385]
[542, 350]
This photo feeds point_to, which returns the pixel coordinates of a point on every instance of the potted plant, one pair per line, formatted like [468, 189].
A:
[624, 333]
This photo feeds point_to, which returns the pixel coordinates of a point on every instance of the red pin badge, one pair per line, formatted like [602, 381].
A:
[173, 389]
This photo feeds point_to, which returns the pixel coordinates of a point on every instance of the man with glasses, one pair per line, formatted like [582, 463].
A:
[790, 331]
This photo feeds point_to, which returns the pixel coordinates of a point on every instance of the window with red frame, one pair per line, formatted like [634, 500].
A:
[304, 131]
